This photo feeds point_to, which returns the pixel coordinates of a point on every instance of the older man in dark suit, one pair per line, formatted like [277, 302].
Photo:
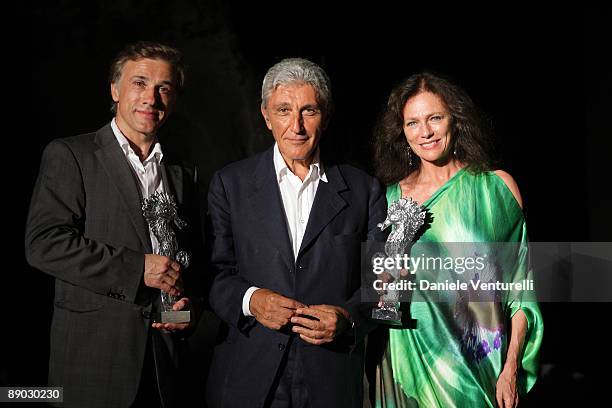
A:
[86, 228]
[287, 226]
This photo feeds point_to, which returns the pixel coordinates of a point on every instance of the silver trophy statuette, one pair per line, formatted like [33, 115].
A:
[406, 217]
[160, 212]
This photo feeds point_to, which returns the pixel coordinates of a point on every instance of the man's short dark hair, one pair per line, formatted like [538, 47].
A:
[150, 50]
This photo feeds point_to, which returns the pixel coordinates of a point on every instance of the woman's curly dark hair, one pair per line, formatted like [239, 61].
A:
[470, 129]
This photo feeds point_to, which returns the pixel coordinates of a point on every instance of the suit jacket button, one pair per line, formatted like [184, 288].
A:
[281, 346]
[146, 314]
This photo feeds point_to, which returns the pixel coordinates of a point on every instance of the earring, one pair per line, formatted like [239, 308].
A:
[409, 156]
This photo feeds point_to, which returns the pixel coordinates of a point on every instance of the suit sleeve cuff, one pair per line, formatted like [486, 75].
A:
[246, 300]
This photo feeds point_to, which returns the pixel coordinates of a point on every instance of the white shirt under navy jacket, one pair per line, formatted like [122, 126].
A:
[298, 197]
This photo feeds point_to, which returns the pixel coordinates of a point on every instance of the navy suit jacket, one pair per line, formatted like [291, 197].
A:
[251, 247]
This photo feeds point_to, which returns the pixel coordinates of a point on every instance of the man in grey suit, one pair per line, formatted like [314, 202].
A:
[86, 228]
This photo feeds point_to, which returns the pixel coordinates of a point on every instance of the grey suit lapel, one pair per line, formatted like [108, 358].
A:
[327, 204]
[172, 177]
[118, 169]
[267, 205]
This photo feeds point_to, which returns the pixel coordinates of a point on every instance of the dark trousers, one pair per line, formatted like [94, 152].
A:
[290, 389]
[148, 390]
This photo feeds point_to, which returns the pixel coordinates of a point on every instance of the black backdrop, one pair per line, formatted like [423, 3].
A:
[540, 74]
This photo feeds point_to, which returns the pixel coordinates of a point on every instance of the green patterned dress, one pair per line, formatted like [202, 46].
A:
[454, 359]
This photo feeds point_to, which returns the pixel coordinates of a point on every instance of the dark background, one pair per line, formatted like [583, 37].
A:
[539, 74]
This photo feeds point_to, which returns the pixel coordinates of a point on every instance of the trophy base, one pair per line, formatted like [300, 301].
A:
[175, 316]
[388, 316]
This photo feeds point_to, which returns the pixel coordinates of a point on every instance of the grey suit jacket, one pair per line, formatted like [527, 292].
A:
[85, 227]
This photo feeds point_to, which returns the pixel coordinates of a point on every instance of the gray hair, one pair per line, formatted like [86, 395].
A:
[298, 70]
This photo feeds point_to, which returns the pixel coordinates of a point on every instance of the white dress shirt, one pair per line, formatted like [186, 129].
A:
[297, 197]
[148, 172]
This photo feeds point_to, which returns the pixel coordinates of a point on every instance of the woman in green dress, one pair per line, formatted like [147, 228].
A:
[432, 144]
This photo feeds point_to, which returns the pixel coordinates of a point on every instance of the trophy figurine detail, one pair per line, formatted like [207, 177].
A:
[406, 216]
[160, 212]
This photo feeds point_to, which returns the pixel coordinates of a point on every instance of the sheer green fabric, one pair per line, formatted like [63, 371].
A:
[454, 355]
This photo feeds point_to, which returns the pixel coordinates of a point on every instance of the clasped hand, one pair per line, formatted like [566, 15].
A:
[315, 324]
